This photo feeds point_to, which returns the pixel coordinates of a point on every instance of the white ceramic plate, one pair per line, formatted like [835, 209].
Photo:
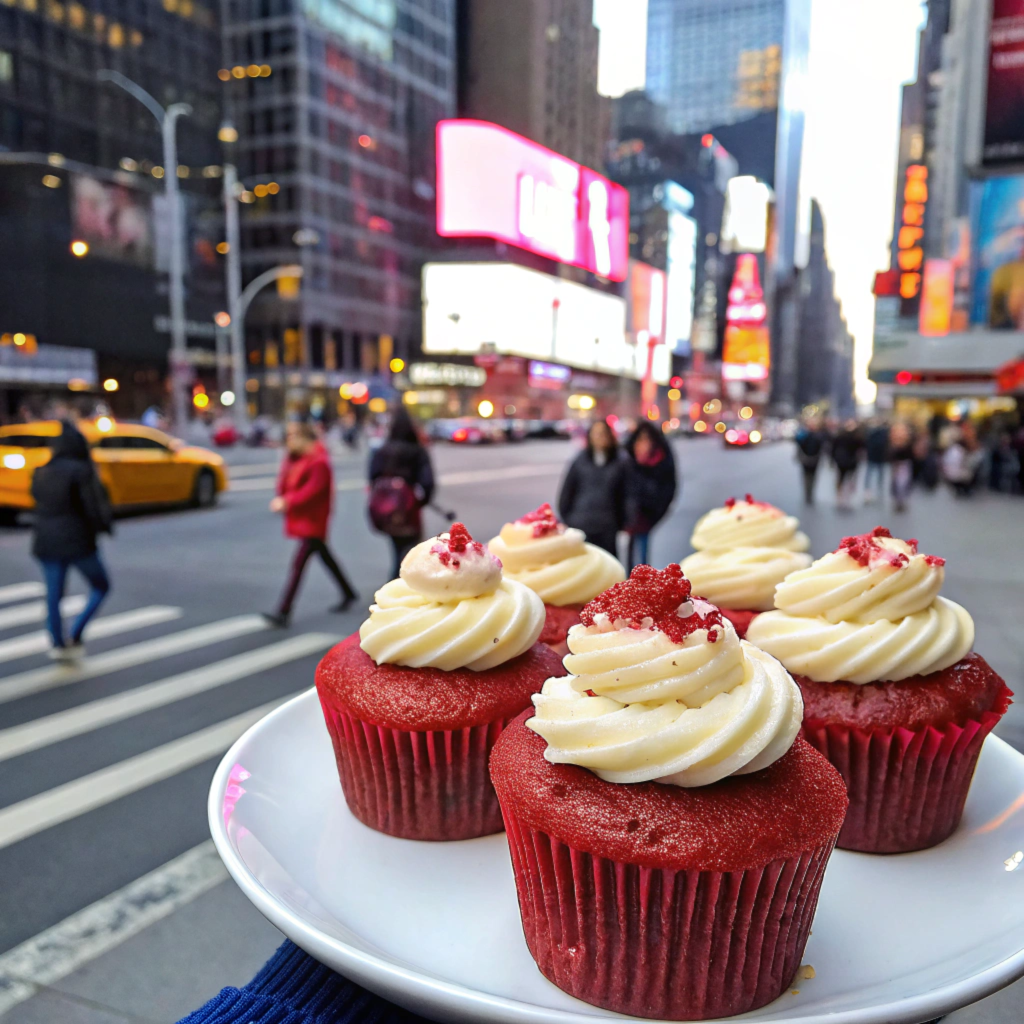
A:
[435, 927]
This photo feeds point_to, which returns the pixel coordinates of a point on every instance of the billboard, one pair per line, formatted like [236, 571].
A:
[507, 309]
[746, 354]
[647, 287]
[910, 238]
[997, 298]
[936, 298]
[115, 220]
[492, 183]
[1004, 105]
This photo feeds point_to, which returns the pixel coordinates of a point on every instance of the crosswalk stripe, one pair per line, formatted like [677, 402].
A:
[472, 476]
[102, 926]
[20, 591]
[35, 611]
[37, 680]
[260, 483]
[107, 625]
[41, 732]
[38, 813]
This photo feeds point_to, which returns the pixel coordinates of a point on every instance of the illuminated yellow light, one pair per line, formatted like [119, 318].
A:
[19, 339]
[110, 384]
[183, 171]
[223, 248]
[238, 71]
[246, 197]
[253, 71]
[224, 74]
[397, 365]
[746, 412]
[14, 461]
[712, 407]
[720, 427]
[260, 191]
[79, 248]
[273, 188]
[653, 413]
[227, 133]
[587, 402]
[51, 181]
[222, 319]
[265, 71]
[674, 394]
[157, 171]
[755, 436]
[104, 424]
[115, 37]
[345, 391]
[78, 384]
[126, 163]
[135, 37]
[700, 426]
[411, 398]
[378, 405]
[252, 385]
[200, 401]
[213, 171]
[485, 409]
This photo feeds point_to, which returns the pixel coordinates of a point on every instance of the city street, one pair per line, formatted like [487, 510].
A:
[116, 907]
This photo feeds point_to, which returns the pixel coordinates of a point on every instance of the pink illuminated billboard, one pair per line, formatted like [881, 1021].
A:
[493, 183]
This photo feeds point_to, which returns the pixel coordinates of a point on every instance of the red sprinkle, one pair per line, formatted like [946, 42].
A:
[460, 541]
[865, 548]
[749, 499]
[544, 521]
[655, 594]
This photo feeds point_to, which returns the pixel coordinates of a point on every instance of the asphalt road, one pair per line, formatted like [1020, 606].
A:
[113, 906]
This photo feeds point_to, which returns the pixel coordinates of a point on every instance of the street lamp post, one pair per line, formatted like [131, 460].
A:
[167, 119]
[234, 290]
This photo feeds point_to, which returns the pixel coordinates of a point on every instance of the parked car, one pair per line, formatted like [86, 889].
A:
[137, 465]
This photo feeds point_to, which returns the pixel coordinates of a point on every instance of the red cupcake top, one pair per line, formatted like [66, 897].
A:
[867, 549]
[543, 520]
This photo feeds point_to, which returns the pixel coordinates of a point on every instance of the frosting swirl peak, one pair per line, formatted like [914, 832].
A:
[748, 523]
[451, 608]
[662, 689]
[554, 560]
[870, 611]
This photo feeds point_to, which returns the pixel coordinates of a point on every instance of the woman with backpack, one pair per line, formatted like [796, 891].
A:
[401, 483]
[71, 509]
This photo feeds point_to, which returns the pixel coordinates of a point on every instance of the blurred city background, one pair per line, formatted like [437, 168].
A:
[780, 232]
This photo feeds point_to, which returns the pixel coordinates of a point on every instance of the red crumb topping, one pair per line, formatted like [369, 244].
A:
[749, 499]
[544, 521]
[458, 543]
[865, 549]
[794, 805]
[654, 594]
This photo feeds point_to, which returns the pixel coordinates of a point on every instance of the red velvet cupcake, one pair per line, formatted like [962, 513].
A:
[892, 695]
[557, 564]
[668, 830]
[415, 702]
[743, 550]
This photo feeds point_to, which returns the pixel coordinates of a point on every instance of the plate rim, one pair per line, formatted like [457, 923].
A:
[411, 989]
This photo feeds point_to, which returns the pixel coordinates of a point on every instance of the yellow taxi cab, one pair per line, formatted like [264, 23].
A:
[137, 465]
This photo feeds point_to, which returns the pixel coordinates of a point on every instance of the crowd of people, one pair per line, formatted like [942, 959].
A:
[899, 456]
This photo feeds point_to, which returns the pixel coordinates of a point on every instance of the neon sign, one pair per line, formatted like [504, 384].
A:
[909, 241]
[493, 183]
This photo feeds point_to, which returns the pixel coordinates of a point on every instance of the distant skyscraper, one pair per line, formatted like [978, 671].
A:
[531, 65]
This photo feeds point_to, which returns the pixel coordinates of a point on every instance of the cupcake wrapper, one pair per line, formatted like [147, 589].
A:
[669, 944]
[417, 785]
[907, 787]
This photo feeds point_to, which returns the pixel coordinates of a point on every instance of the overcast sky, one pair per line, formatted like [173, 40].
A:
[861, 52]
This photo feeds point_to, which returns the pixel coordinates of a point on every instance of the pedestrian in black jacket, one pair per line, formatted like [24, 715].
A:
[70, 510]
[401, 483]
[847, 450]
[593, 494]
[650, 488]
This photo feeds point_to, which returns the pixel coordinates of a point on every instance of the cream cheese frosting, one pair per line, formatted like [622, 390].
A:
[868, 612]
[662, 689]
[554, 560]
[451, 608]
[743, 551]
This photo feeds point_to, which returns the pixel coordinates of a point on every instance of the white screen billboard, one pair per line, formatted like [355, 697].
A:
[508, 309]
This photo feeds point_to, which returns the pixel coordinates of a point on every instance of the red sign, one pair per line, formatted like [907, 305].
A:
[746, 354]
[1004, 107]
[647, 288]
[493, 183]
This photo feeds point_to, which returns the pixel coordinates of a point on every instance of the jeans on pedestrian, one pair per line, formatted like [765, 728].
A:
[308, 547]
[639, 544]
[55, 573]
[810, 471]
[902, 479]
[875, 473]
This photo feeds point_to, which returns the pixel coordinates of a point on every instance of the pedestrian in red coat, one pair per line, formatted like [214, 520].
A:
[305, 487]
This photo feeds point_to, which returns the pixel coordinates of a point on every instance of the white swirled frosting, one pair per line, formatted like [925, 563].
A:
[553, 560]
[686, 711]
[867, 612]
[451, 609]
[743, 551]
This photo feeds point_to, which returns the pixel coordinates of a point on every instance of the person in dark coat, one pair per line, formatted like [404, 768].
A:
[847, 451]
[811, 442]
[593, 493]
[650, 488]
[876, 451]
[305, 489]
[71, 510]
[403, 462]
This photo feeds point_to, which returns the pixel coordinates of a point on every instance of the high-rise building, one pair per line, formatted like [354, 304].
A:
[531, 66]
[81, 160]
[338, 144]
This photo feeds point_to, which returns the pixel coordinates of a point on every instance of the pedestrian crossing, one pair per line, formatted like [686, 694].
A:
[138, 714]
